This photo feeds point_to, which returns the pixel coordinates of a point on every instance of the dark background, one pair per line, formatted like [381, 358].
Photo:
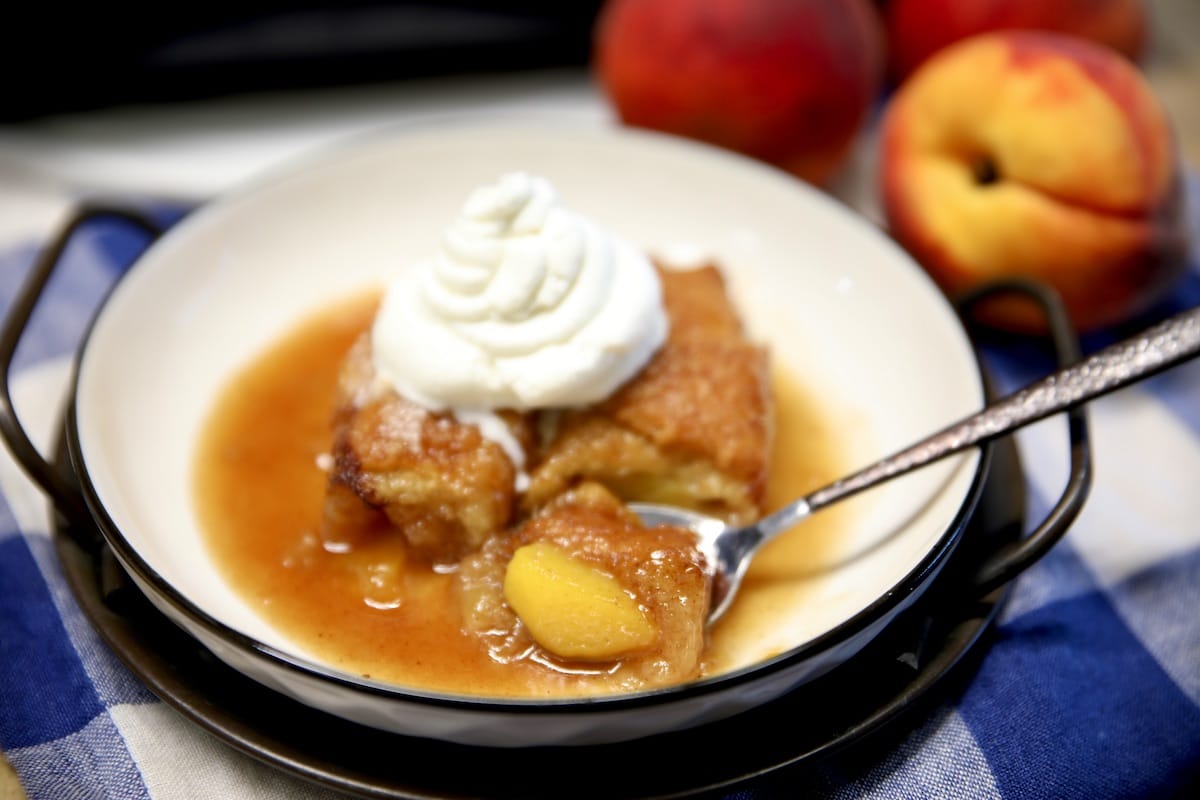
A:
[58, 59]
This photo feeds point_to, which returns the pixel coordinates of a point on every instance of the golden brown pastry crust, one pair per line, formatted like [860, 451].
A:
[693, 428]
[440, 482]
[660, 567]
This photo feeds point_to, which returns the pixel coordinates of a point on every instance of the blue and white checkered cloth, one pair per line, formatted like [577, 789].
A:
[1091, 688]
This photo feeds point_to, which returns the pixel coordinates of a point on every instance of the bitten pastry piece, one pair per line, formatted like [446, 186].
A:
[694, 428]
[441, 483]
[583, 586]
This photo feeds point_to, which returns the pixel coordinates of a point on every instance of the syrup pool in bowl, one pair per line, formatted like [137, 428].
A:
[377, 611]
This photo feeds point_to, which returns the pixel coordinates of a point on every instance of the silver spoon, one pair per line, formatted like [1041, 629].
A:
[729, 549]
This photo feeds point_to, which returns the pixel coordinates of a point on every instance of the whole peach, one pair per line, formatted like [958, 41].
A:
[1038, 155]
[790, 82]
[916, 29]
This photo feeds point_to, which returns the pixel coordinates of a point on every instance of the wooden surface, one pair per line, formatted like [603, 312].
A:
[1173, 67]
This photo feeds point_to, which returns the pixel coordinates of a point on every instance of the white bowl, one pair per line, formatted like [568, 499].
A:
[834, 298]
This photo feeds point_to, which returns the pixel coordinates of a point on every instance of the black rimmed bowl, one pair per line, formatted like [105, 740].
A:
[840, 306]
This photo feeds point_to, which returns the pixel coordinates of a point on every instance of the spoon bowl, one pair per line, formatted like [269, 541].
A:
[728, 550]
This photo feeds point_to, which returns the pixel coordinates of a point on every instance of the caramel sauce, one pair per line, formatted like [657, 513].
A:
[374, 610]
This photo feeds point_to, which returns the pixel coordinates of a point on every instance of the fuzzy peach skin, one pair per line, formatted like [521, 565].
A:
[788, 83]
[1037, 155]
[916, 29]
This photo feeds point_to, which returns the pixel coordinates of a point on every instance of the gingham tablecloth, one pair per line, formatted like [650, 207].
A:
[1090, 690]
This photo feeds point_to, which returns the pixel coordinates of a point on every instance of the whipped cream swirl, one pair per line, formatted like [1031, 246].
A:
[527, 305]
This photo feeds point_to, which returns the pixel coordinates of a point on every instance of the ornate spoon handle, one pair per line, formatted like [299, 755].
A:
[1155, 349]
